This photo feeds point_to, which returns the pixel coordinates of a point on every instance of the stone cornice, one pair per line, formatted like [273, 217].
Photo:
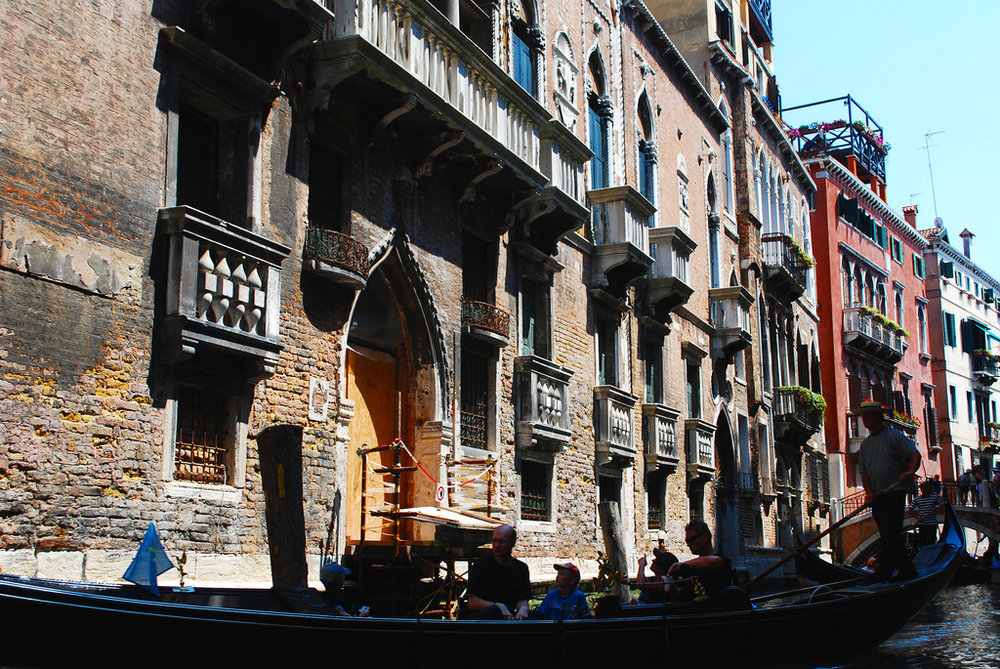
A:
[862, 192]
[647, 23]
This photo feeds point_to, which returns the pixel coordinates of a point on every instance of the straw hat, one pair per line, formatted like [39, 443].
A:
[869, 406]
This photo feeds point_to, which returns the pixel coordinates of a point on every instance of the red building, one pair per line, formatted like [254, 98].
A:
[870, 290]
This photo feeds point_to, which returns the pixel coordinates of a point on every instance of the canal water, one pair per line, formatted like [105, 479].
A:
[959, 629]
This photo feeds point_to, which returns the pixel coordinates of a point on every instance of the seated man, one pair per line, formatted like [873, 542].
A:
[499, 585]
[652, 589]
[565, 601]
[712, 570]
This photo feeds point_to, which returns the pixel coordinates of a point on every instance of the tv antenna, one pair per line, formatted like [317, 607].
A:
[927, 148]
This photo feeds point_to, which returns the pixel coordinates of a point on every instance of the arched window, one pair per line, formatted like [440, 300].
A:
[727, 165]
[565, 83]
[646, 153]
[899, 307]
[526, 46]
[713, 235]
[845, 282]
[772, 186]
[782, 209]
[921, 328]
[857, 292]
[758, 179]
[599, 109]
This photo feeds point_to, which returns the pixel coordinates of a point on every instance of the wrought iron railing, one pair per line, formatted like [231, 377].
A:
[761, 13]
[984, 367]
[486, 316]
[336, 248]
[857, 320]
[779, 251]
[790, 405]
[858, 135]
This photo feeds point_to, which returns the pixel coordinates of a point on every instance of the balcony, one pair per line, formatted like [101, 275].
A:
[730, 316]
[857, 142]
[699, 444]
[985, 370]
[406, 65]
[613, 426]
[760, 22]
[541, 404]
[223, 291]
[864, 331]
[798, 414]
[618, 229]
[337, 257]
[659, 437]
[669, 285]
[989, 436]
[486, 322]
[748, 484]
[785, 265]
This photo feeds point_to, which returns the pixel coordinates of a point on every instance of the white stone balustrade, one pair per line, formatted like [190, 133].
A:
[413, 34]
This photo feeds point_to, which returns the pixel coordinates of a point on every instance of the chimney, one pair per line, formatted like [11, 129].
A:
[967, 243]
[910, 214]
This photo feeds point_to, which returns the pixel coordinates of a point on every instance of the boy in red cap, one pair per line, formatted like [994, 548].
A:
[565, 601]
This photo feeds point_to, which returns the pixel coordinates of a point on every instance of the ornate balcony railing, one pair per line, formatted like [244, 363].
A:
[223, 290]
[748, 482]
[541, 404]
[659, 436]
[730, 316]
[797, 416]
[486, 321]
[669, 285]
[699, 438]
[858, 137]
[863, 330]
[760, 21]
[336, 256]
[620, 220]
[985, 369]
[989, 435]
[613, 420]
[786, 268]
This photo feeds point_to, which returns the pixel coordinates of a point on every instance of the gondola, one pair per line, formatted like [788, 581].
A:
[61, 623]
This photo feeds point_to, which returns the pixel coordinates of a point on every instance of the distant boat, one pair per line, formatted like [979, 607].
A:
[50, 622]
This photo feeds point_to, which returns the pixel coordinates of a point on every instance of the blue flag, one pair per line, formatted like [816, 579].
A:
[149, 562]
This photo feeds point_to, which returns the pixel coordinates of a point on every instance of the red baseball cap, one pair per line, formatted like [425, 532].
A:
[571, 568]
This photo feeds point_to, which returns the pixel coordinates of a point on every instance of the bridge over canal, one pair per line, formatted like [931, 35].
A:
[857, 540]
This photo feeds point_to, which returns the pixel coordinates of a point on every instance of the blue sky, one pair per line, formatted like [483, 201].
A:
[916, 66]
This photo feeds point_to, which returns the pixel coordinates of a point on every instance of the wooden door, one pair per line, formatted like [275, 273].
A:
[371, 384]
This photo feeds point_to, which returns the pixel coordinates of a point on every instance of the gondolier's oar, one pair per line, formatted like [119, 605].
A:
[807, 544]
[893, 488]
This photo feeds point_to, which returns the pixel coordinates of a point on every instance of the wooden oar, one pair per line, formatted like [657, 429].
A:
[807, 544]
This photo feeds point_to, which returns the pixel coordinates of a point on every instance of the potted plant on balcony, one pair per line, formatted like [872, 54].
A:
[805, 260]
[885, 320]
[814, 402]
[986, 354]
[901, 417]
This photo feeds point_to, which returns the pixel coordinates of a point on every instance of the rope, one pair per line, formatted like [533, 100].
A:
[403, 445]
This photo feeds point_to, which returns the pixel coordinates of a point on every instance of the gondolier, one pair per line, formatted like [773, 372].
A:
[888, 463]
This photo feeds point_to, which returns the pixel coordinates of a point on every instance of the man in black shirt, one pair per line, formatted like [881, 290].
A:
[499, 585]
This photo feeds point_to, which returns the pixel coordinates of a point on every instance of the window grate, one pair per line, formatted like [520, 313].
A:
[200, 452]
[534, 491]
[474, 400]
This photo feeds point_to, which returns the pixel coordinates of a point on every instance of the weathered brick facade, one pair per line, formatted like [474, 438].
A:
[296, 230]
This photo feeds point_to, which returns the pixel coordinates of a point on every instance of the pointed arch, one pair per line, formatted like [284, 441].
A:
[527, 45]
[646, 153]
